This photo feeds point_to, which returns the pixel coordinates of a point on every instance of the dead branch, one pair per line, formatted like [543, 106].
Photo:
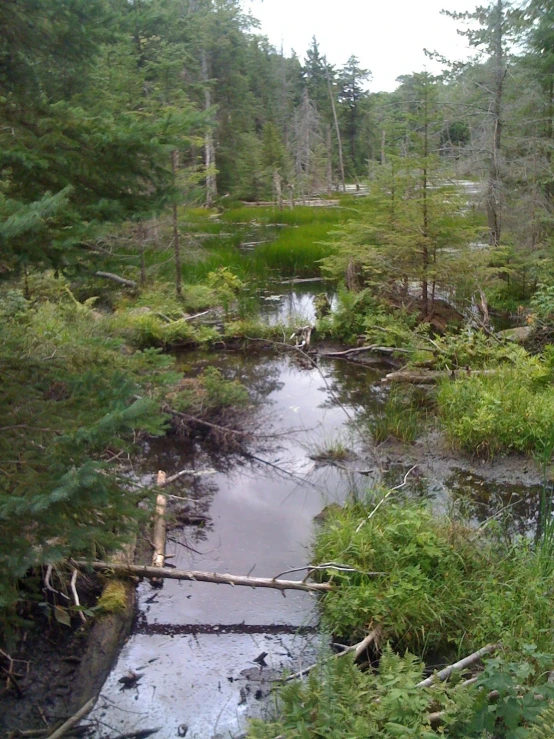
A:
[117, 278]
[70, 723]
[159, 533]
[460, 665]
[357, 649]
[183, 473]
[431, 377]
[151, 573]
[327, 566]
[201, 422]
[384, 498]
[362, 349]
[198, 315]
[76, 600]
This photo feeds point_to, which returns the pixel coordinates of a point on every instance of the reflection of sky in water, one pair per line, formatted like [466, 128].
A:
[262, 525]
[280, 304]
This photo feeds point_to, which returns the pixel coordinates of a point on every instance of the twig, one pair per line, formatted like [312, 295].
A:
[281, 470]
[183, 473]
[460, 665]
[384, 498]
[198, 315]
[117, 278]
[73, 585]
[357, 649]
[327, 566]
[70, 723]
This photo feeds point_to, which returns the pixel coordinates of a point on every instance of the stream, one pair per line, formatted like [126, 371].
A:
[209, 654]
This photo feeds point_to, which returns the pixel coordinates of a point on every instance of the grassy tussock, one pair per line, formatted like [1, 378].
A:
[445, 588]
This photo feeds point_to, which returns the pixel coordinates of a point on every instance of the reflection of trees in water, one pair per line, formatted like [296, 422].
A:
[353, 386]
[517, 508]
[258, 372]
[260, 375]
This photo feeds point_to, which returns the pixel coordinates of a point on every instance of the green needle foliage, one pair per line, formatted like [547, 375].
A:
[72, 404]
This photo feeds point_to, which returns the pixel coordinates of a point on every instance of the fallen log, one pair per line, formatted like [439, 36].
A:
[117, 278]
[431, 377]
[362, 349]
[460, 665]
[152, 573]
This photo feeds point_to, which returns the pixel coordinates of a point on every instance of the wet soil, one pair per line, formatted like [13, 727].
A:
[47, 661]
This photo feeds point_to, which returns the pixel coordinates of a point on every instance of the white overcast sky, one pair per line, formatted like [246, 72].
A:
[388, 36]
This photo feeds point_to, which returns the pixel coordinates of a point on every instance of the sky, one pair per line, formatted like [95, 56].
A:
[388, 36]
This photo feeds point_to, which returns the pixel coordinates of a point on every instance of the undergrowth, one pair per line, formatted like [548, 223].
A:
[444, 588]
[509, 410]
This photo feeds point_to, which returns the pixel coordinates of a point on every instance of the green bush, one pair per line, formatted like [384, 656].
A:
[72, 403]
[338, 700]
[510, 410]
[443, 588]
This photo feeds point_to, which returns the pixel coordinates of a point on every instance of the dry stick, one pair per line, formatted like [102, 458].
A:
[327, 566]
[460, 665]
[282, 470]
[152, 573]
[117, 278]
[76, 600]
[158, 534]
[371, 348]
[70, 723]
[433, 376]
[198, 315]
[357, 649]
[384, 498]
[194, 419]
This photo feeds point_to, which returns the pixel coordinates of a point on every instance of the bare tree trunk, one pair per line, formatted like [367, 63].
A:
[493, 185]
[209, 148]
[329, 162]
[383, 140]
[337, 129]
[425, 212]
[176, 242]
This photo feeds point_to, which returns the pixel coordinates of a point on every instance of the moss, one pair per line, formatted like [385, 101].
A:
[114, 598]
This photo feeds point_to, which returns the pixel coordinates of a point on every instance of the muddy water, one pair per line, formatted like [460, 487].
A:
[196, 643]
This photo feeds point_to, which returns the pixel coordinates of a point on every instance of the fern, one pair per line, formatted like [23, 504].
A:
[544, 726]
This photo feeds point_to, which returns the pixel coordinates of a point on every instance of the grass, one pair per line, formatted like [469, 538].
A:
[511, 410]
[445, 589]
[210, 240]
[403, 416]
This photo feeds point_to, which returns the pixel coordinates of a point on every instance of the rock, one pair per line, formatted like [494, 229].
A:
[519, 334]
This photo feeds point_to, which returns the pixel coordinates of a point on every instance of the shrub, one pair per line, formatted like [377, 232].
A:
[444, 587]
[511, 410]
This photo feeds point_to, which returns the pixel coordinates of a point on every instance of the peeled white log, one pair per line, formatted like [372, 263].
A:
[153, 573]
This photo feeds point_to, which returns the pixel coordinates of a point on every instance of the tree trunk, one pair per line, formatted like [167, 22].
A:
[176, 243]
[329, 162]
[337, 129]
[209, 148]
[493, 185]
